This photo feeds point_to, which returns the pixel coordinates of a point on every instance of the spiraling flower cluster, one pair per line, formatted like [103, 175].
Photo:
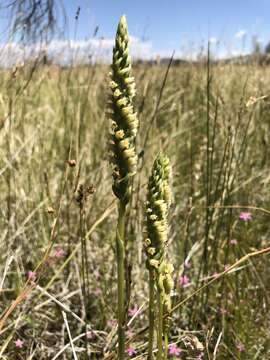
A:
[124, 119]
[157, 206]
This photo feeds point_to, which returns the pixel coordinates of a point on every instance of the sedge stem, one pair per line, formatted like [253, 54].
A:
[120, 253]
[151, 314]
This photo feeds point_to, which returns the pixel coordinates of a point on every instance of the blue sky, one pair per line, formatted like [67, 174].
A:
[156, 28]
[176, 24]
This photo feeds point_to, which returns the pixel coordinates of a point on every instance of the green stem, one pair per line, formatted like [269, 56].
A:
[151, 314]
[166, 344]
[160, 326]
[120, 253]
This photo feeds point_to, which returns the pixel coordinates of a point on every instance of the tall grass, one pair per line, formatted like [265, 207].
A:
[59, 116]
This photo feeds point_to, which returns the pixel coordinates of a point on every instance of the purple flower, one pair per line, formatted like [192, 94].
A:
[90, 335]
[131, 351]
[96, 274]
[226, 267]
[240, 347]
[98, 291]
[245, 216]
[111, 323]
[32, 275]
[223, 311]
[184, 280]
[200, 356]
[130, 333]
[59, 253]
[133, 311]
[174, 350]
[18, 343]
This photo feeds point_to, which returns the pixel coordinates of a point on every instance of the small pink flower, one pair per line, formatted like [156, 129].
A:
[200, 356]
[133, 311]
[187, 264]
[59, 253]
[131, 351]
[223, 311]
[32, 275]
[226, 267]
[18, 343]
[111, 323]
[90, 335]
[130, 333]
[245, 216]
[184, 280]
[233, 242]
[96, 274]
[174, 350]
[240, 347]
[215, 274]
[98, 291]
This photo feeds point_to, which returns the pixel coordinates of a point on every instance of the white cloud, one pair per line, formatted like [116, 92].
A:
[64, 51]
[213, 40]
[240, 34]
[100, 50]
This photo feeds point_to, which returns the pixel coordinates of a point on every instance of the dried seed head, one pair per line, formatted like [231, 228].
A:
[50, 210]
[71, 162]
[123, 116]
[83, 193]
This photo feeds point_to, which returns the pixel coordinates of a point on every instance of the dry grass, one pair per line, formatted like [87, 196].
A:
[218, 141]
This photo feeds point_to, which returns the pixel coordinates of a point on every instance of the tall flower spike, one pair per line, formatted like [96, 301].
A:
[124, 119]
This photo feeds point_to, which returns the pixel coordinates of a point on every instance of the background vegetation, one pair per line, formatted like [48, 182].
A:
[55, 192]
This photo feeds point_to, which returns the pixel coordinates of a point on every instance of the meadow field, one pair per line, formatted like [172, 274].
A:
[59, 214]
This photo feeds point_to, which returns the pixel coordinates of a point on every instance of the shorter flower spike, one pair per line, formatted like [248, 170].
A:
[157, 206]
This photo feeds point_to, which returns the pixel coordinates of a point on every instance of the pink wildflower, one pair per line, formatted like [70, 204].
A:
[184, 280]
[111, 323]
[59, 252]
[200, 356]
[18, 343]
[90, 335]
[174, 350]
[98, 291]
[223, 311]
[233, 241]
[130, 333]
[226, 267]
[96, 274]
[215, 274]
[32, 275]
[245, 216]
[133, 311]
[240, 347]
[131, 351]
[187, 264]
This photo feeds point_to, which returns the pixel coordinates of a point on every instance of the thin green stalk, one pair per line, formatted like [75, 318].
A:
[120, 253]
[151, 313]
[160, 327]
[166, 345]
